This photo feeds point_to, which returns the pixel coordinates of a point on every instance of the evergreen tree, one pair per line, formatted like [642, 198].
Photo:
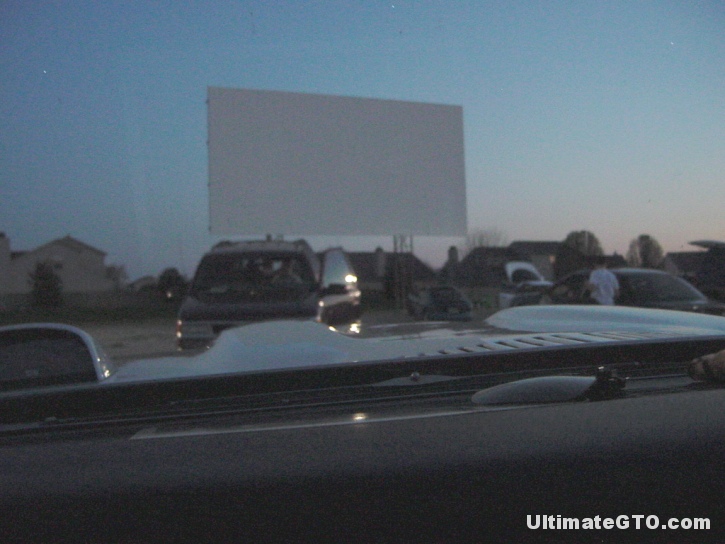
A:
[47, 287]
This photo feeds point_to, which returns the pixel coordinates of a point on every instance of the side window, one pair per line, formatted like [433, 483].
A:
[336, 269]
[626, 295]
[39, 356]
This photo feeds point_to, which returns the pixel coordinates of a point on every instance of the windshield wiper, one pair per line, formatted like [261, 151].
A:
[416, 378]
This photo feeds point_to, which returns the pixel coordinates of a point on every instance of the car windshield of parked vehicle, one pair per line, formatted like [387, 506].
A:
[647, 288]
[574, 129]
[253, 276]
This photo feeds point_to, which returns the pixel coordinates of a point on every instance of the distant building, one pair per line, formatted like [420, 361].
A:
[81, 267]
[683, 263]
[144, 283]
[375, 269]
[5, 257]
[483, 267]
[541, 254]
[448, 272]
[615, 261]
[704, 269]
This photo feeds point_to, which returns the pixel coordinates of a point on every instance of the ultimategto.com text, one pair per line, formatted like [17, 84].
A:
[638, 521]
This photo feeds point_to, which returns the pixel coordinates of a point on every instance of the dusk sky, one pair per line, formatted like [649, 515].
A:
[604, 116]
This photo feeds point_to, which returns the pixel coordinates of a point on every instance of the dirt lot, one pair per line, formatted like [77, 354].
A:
[127, 341]
[124, 342]
[156, 337]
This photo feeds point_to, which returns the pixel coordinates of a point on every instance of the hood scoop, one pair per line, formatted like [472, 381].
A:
[536, 341]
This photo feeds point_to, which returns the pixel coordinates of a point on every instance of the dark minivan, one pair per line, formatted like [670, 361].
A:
[238, 283]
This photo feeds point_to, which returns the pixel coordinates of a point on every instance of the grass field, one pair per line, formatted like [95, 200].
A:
[80, 315]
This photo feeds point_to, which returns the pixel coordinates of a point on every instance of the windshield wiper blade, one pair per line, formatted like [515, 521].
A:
[416, 378]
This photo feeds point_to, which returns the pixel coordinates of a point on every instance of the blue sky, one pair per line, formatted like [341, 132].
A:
[606, 116]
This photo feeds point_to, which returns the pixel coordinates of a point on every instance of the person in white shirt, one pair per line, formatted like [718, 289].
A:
[603, 285]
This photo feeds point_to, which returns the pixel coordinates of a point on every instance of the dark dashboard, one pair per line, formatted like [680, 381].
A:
[396, 467]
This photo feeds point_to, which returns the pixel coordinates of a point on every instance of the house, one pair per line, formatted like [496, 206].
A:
[480, 274]
[377, 271]
[482, 267]
[570, 259]
[705, 269]
[685, 264]
[615, 260]
[144, 283]
[81, 267]
[541, 254]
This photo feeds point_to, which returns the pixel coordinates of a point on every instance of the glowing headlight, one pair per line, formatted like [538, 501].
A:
[190, 328]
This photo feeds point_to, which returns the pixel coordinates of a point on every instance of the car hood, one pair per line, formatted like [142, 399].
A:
[701, 306]
[279, 345]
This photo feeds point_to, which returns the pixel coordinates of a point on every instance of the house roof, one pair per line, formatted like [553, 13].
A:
[490, 255]
[365, 264]
[71, 243]
[420, 271]
[527, 249]
[615, 261]
[67, 241]
[687, 262]
[482, 267]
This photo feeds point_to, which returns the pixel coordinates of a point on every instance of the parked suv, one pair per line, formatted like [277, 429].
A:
[237, 283]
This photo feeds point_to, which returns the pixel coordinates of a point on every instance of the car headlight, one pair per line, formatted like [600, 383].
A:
[191, 328]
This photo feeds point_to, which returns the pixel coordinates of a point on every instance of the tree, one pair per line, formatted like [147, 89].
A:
[117, 274]
[576, 252]
[46, 286]
[171, 284]
[485, 238]
[645, 252]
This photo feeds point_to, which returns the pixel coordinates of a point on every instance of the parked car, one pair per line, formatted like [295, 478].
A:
[441, 303]
[524, 286]
[645, 288]
[710, 278]
[238, 283]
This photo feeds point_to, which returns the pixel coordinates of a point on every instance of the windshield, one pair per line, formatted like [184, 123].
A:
[646, 288]
[251, 276]
[290, 270]
[433, 142]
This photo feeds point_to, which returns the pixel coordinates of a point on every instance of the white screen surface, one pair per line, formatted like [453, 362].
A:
[292, 163]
